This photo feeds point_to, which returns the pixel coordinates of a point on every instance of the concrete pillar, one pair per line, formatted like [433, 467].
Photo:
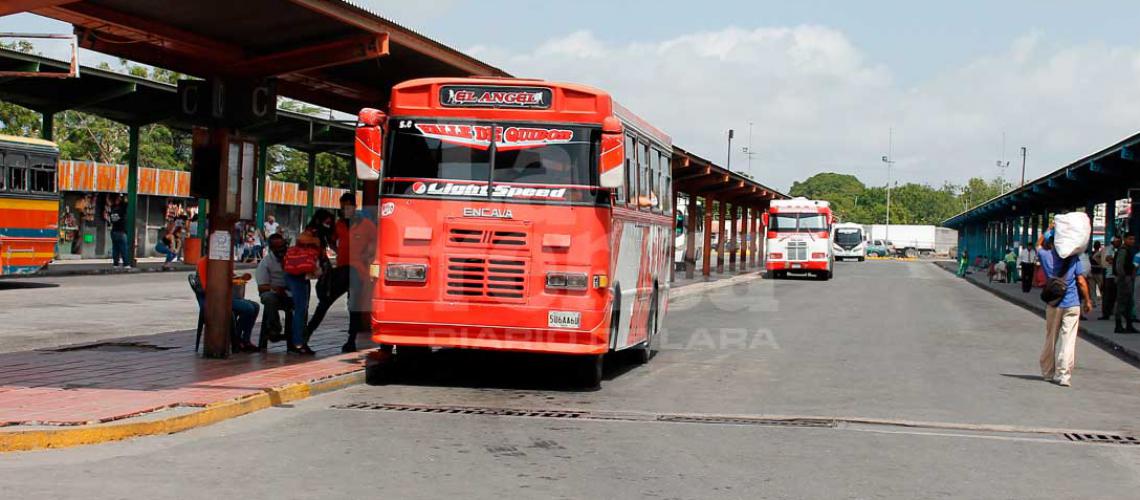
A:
[720, 237]
[707, 267]
[734, 224]
[691, 239]
[744, 241]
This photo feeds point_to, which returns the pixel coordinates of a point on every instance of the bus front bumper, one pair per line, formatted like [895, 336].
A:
[783, 265]
[481, 326]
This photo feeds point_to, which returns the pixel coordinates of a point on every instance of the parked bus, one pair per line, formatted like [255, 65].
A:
[29, 204]
[799, 238]
[849, 241]
[518, 215]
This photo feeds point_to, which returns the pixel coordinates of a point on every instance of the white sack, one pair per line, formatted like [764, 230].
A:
[1071, 233]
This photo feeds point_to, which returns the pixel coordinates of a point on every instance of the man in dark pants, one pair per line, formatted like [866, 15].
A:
[117, 218]
[1125, 272]
[1108, 289]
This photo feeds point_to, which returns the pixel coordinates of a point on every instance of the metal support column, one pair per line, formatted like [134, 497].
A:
[262, 175]
[312, 188]
[744, 241]
[132, 190]
[47, 126]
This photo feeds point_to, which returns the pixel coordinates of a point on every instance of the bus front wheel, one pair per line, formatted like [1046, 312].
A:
[589, 371]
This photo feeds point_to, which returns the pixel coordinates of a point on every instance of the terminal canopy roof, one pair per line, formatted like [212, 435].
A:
[327, 52]
[696, 176]
[138, 101]
[1104, 176]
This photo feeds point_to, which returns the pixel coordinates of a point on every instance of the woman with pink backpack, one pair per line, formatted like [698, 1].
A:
[303, 264]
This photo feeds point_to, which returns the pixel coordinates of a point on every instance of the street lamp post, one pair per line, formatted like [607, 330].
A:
[887, 159]
[749, 152]
[1023, 152]
[728, 162]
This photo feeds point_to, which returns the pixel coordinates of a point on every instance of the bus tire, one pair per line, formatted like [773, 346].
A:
[589, 371]
[379, 373]
[644, 351]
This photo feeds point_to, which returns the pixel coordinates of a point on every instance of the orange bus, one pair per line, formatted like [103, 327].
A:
[518, 215]
[29, 204]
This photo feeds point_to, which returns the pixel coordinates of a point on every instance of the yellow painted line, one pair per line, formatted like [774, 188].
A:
[65, 437]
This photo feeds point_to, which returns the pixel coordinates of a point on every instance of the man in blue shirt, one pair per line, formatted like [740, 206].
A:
[1059, 354]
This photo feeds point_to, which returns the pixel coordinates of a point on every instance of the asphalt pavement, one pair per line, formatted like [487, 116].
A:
[895, 380]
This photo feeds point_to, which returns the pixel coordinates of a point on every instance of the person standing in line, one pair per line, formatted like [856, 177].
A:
[1027, 262]
[116, 217]
[1096, 274]
[338, 278]
[1124, 271]
[1058, 356]
[1010, 259]
[1108, 305]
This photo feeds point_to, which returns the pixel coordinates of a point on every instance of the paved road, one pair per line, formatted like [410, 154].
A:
[903, 342]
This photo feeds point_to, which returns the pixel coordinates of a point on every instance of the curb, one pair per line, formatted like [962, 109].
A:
[698, 287]
[1130, 355]
[100, 271]
[67, 437]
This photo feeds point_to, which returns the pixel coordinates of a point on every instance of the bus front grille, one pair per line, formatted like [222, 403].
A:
[486, 278]
[486, 238]
[797, 250]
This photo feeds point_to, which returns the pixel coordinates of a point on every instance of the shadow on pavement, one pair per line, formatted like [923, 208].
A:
[24, 285]
[477, 369]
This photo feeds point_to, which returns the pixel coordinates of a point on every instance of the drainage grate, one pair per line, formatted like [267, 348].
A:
[114, 347]
[464, 410]
[719, 420]
[591, 415]
[1102, 438]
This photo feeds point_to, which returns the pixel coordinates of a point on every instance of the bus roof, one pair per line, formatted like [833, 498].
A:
[30, 141]
[800, 205]
[501, 99]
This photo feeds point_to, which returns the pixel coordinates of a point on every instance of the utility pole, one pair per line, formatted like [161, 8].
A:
[889, 161]
[728, 161]
[1023, 152]
[748, 151]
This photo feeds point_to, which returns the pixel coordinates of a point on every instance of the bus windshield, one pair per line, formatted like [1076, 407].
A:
[798, 223]
[524, 153]
[848, 236]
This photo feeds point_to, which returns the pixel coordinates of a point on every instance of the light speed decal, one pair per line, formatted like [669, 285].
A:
[498, 191]
[479, 136]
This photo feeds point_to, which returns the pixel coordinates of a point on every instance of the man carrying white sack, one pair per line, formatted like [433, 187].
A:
[1065, 293]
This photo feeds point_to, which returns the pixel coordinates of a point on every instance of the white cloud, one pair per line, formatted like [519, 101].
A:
[819, 104]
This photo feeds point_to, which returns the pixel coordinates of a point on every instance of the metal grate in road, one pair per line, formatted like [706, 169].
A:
[590, 415]
[1102, 438]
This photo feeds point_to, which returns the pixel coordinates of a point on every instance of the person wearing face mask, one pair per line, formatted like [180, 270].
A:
[337, 280]
[275, 298]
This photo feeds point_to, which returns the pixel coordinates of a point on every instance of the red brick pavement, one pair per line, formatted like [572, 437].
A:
[85, 386]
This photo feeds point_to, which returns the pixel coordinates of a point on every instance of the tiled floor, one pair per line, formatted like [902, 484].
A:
[81, 386]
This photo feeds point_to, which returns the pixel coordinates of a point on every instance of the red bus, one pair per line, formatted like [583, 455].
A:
[518, 215]
[29, 204]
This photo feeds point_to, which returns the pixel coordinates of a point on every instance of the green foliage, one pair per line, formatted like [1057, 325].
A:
[290, 165]
[911, 203]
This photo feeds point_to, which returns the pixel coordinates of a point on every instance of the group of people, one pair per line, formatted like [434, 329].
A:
[285, 278]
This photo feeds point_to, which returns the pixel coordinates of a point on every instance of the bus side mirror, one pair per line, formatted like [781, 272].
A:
[764, 219]
[369, 144]
[610, 166]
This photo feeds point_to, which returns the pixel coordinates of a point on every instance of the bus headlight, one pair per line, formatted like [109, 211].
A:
[406, 272]
[566, 281]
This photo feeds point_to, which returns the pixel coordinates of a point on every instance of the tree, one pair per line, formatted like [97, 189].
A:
[911, 203]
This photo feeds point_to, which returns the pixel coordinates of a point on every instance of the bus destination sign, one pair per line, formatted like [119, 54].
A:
[480, 96]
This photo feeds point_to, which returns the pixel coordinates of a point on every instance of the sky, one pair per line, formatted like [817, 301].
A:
[826, 85]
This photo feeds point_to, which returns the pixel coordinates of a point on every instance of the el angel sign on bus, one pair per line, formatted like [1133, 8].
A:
[481, 96]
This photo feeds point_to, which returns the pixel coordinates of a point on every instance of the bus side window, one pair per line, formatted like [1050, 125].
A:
[16, 164]
[645, 184]
[629, 192]
[655, 192]
[666, 183]
[42, 174]
[3, 174]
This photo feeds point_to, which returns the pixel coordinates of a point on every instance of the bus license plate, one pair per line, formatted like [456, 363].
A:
[564, 319]
[797, 266]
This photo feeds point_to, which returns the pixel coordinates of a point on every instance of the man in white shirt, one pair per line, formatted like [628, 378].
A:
[269, 228]
[270, 275]
[1027, 261]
